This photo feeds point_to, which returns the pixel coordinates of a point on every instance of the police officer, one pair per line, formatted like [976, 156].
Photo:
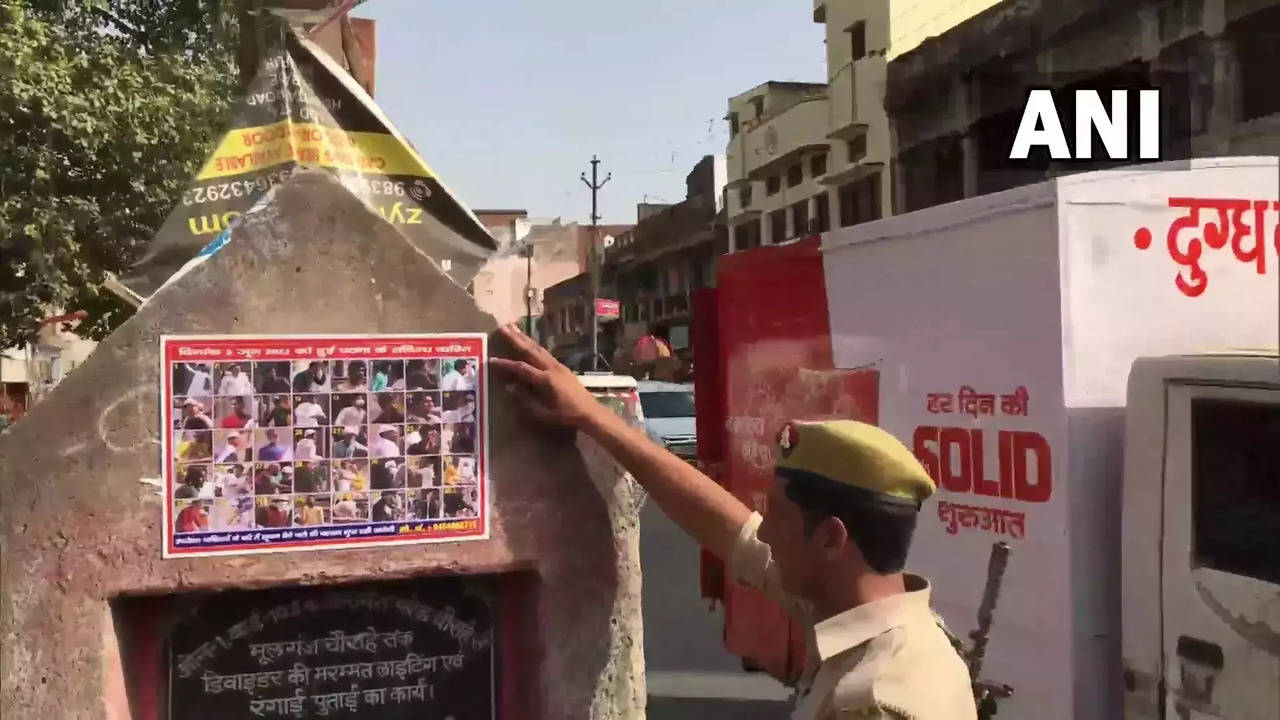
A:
[830, 547]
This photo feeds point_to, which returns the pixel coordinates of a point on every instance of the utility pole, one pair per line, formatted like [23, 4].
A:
[593, 265]
[528, 286]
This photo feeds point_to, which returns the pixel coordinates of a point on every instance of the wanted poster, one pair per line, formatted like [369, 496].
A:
[307, 442]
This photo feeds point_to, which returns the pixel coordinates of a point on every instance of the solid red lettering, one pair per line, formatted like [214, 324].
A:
[981, 485]
[961, 479]
[1006, 464]
[1024, 442]
[925, 438]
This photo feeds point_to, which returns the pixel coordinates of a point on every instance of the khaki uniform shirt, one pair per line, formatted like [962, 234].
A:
[886, 659]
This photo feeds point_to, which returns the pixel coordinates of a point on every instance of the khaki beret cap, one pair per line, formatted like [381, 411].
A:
[854, 454]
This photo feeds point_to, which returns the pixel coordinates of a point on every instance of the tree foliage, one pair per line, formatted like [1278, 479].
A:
[107, 109]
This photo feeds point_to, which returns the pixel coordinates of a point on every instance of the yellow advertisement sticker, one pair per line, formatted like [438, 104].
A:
[246, 150]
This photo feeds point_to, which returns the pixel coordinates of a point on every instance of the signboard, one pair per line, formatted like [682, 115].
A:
[775, 354]
[608, 309]
[302, 442]
[303, 111]
[409, 650]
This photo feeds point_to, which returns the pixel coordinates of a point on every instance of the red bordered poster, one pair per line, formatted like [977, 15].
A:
[302, 442]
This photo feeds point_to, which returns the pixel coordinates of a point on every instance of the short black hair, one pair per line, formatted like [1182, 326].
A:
[194, 476]
[459, 364]
[881, 526]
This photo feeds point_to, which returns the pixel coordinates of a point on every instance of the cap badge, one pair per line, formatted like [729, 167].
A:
[788, 439]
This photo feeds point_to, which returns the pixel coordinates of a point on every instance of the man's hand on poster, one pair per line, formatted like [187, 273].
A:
[546, 388]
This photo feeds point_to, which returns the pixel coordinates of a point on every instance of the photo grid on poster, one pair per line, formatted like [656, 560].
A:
[322, 444]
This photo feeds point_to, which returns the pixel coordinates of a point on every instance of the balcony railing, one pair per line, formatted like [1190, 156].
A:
[656, 309]
[786, 137]
[671, 227]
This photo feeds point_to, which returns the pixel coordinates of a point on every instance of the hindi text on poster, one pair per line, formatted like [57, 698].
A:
[297, 442]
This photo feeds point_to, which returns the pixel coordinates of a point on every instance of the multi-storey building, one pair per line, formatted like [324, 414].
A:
[778, 150]
[801, 158]
[807, 157]
[29, 372]
[956, 99]
[653, 269]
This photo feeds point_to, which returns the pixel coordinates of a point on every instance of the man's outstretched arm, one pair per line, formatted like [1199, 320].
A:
[553, 394]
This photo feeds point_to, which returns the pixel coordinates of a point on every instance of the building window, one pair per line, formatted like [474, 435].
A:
[744, 196]
[993, 137]
[1254, 39]
[800, 218]
[772, 185]
[858, 39]
[733, 124]
[1187, 93]
[748, 235]
[758, 103]
[795, 175]
[697, 275]
[860, 201]
[857, 148]
[822, 222]
[931, 173]
[818, 165]
[778, 225]
[1235, 501]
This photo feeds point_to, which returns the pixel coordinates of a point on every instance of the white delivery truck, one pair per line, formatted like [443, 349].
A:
[1141, 498]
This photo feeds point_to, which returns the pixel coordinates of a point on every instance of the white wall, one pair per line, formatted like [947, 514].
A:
[500, 284]
[943, 302]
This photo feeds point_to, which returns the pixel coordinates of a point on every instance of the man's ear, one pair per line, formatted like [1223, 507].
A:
[831, 536]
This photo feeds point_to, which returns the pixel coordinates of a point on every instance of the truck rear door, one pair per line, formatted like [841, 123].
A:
[1220, 584]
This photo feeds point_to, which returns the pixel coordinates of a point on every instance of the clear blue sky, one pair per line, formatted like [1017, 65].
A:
[508, 99]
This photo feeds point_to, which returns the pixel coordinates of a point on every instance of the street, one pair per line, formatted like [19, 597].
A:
[689, 673]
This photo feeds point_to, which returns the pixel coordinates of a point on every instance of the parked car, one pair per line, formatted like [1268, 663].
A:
[669, 417]
[617, 392]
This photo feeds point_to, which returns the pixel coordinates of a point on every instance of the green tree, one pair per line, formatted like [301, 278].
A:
[107, 109]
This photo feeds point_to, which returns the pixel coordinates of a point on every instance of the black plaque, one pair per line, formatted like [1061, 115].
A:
[413, 649]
